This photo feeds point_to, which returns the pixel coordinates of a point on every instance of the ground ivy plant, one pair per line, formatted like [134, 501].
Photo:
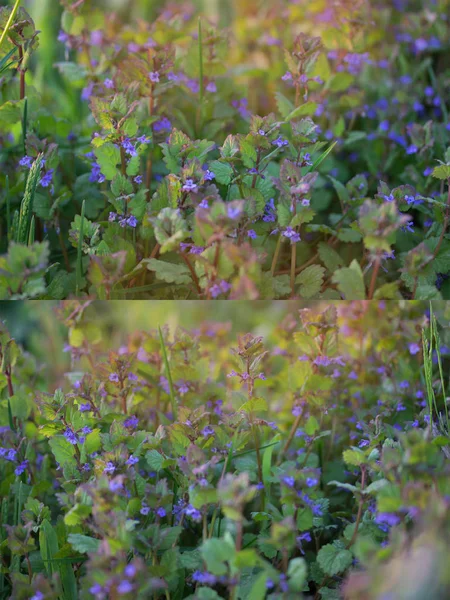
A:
[313, 462]
[298, 150]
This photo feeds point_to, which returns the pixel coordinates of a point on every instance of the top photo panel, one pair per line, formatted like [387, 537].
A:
[225, 149]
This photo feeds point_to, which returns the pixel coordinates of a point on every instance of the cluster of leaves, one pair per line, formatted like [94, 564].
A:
[257, 161]
[312, 463]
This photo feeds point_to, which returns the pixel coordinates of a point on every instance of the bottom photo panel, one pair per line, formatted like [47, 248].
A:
[238, 450]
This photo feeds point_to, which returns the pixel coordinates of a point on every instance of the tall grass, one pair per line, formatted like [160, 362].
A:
[431, 343]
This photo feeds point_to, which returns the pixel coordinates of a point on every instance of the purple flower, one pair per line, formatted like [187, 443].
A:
[124, 587]
[251, 233]
[132, 422]
[46, 180]
[386, 518]
[130, 570]
[162, 125]
[26, 161]
[211, 87]
[109, 468]
[161, 512]
[85, 407]
[96, 589]
[288, 481]
[154, 76]
[311, 481]
[115, 485]
[414, 348]
[193, 513]
[21, 467]
[221, 288]
[132, 460]
[71, 436]
[280, 142]
[109, 84]
[291, 235]
[114, 377]
[62, 37]
[190, 186]
[86, 92]
[145, 510]
[96, 175]
[287, 76]
[207, 431]
[204, 578]
[129, 147]
[132, 221]
[209, 175]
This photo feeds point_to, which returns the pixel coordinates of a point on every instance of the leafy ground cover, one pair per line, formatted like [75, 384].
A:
[311, 462]
[257, 150]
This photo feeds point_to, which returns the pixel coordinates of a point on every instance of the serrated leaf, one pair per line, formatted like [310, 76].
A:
[354, 457]
[310, 281]
[350, 282]
[330, 258]
[108, 157]
[334, 560]
[222, 171]
[441, 172]
[154, 460]
[169, 272]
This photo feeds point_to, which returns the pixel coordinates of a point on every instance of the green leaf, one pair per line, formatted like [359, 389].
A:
[217, 553]
[63, 450]
[341, 191]
[11, 112]
[248, 154]
[334, 560]
[349, 235]
[285, 106]
[230, 147]
[310, 281]
[169, 272]
[354, 457]
[254, 405]
[330, 258]
[83, 543]
[154, 460]
[48, 544]
[441, 172]
[108, 157]
[350, 282]
[297, 572]
[222, 171]
[305, 110]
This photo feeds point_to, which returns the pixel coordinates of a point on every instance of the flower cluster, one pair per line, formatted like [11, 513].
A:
[315, 453]
[298, 178]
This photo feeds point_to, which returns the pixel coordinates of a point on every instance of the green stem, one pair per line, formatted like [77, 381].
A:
[169, 375]
[79, 270]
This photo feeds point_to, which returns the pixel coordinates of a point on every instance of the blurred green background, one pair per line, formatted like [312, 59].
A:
[47, 17]
[39, 325]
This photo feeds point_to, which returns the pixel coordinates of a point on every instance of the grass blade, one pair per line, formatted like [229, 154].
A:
[8, 207]
[323, 156]
[26, 207]
[32, 231]
[79, 270]
[200, 58]
[9, 21]
[169, 375]
[24, 126]
[4, 61]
